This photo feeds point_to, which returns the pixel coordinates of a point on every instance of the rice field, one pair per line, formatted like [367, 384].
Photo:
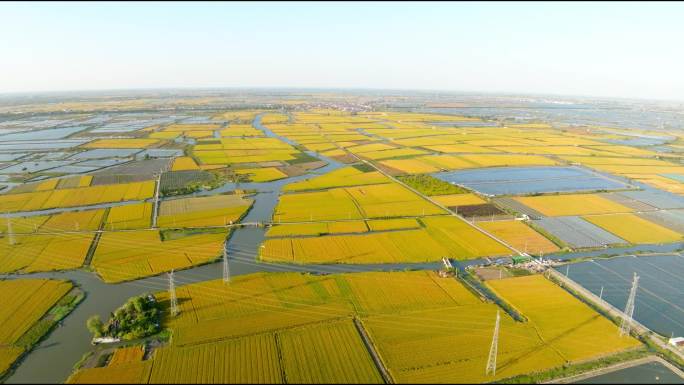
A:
[317, 228]
[184, 163]
[635, 229]
[71, 197]
[214, 210]
[128, 217]
[572, 204]
[123, 256]
[346, 176]
[455, 200]
[26, 302]
[520, 236]
[442, 236]
[291, 327]
[263, 174]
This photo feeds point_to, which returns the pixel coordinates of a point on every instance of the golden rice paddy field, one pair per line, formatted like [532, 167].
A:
[128, 217]
[371, 201]
[573, 204]
[123, 256]
[291, 327]
[263, 174]
[25, 302]
[214, 210]
[440, 236]
[458, 200]
[317, 228]
[520, 236]
[346, 176]
[635, 229]
[82, 196]
[57, 242]
[184, 163]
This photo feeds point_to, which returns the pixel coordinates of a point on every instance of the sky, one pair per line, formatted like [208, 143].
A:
[591, 49]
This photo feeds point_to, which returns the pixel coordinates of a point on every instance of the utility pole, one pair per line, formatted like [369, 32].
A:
[10, 233]
[226, 269]
[491, 362]
[155, 212]
[626, 324]
[172, 295]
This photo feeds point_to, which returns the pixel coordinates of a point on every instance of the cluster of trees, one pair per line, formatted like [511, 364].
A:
[137, 318]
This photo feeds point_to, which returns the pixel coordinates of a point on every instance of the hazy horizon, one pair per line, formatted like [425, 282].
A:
[624, 51]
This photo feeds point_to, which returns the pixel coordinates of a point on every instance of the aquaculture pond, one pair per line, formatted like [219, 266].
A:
[530, 180]
[660, 295]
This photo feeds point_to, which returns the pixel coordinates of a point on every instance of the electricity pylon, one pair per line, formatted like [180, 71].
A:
[491, 362]
[172, 295]
[10, 232]
[226, 269]
[626, 324]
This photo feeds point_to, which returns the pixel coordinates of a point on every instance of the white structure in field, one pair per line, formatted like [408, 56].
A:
[626, 324]
[491, 362]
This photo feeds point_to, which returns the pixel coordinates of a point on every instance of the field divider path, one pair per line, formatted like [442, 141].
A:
[374, 354]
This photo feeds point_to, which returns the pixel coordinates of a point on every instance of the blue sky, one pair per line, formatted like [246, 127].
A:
[623, 50]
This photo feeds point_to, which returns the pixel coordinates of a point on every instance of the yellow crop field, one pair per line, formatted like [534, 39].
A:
[347, 176]
[164, 135]
[122, 256]
[572, 328]
[572, 204]
[458, 148]
[128, 373]
[30, 299]
[274, 118]
[448, 162]
[127, 354]
[393, 153]
[127, 217]
[121, 143]
[320, 206]
[184, 163]
[391, 200]
[458, 200]
[241, 130]
[291, 327]
[495, 160]
[317, 228]
[393, 224]
[74, 221]
[70, 197]
[410, 166]
[23, 225]
[214, 210]
[9, 354]
[192, 127]
[520, 236]
[332, 353]
[635, 229]
[462, 240]
[264, 174]
[45, 252]
[372, 147]
[382, 247]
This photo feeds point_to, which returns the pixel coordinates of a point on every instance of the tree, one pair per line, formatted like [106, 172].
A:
[95, 325]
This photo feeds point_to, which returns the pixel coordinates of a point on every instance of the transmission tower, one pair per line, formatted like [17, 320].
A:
[226, 269]
[626, 323]
[10, 232]
[172, 295]
[491, 362]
